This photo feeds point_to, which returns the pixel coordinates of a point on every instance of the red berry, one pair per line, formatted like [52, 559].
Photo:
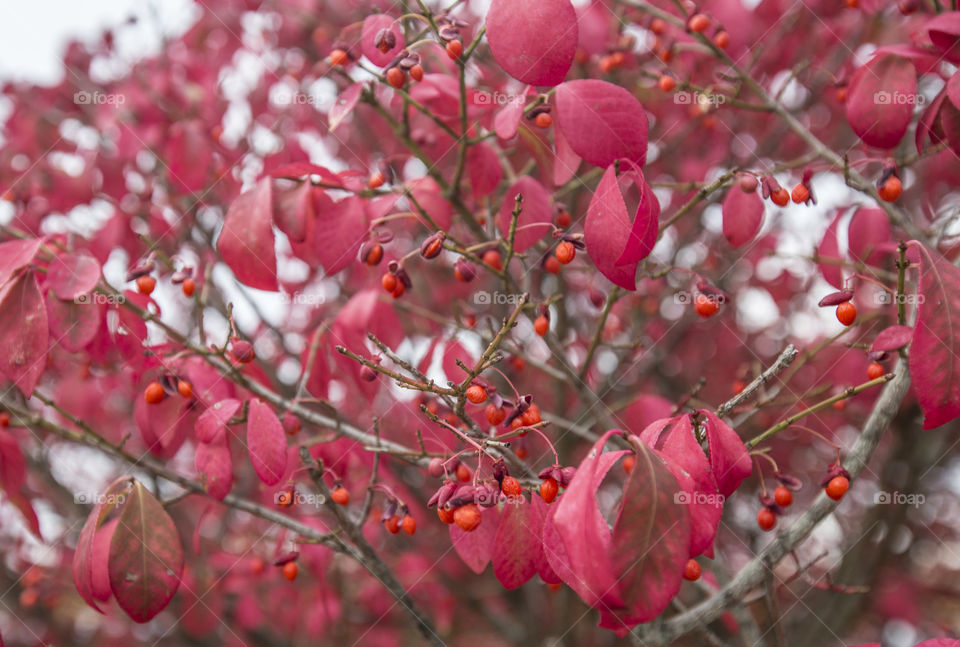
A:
[549, 490]
[185, 389]
[721, 39]
[705, 306]
[389, 282]
[154, 394]
[511, 486]
[396, 77]
[338, 57]
[846, 313]
[891, 189]
[698, 23]
[837, 487]
[657, 26]
[463, 473]
[874, 371]
[766, 519]
[399, 290]
[340, 496]
[446, 516]
[376, 181]
[188, 286]
[566, 252]
[629, 463]
[467, 517]
[409, 524]
[739, 386]
[840, 405]
[800, 194]
[543, 120]
[552, 265]
[258, 565]
[476, 394]
[290, 570]
[454, 49]
[492, 258]
[416, 72]
[692, 571]
[4, 419]
[392, 524]
[783, 496]
[522, 452]
[563, 219]
[146, 284]
[780, 197]
[541, 325]
[667, 83]
[495, 415]
[531, 416]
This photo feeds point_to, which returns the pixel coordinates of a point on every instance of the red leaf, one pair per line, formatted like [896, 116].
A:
[429, 196]
[340, 231]
[484, 168]
[146, 556]
[880, 100]
[297, 170]
[266, 443]
[70, 275]
[646, 221]
[565, 161]
[214, 464]
[507, 120]
[475, 548]
[936, 339]
[372, 25]
[742, 216]
[212, 423]
[606, 231]
[246, 240]
[23, 332]
[85, 558]
[533, 40]
[602, 122]
[15, 254]
[868, 231]
[892, 338]
[344, 105]
[944, 33]
[830, 249]
[537, 517]
[729, 459]
[188, 155]
[517, 545]
[293, 211]
[535, 210]
[13, 469]
[928, 119]
[162, 426]
[101, 560]
[73, 324]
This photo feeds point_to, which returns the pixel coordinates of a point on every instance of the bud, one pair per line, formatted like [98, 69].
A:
[787, 481]
[464, 270]
[500, 470]
[241, 350]
[291, 424]
[597, 298]
[433, 245]
[835, 298]
[180, 276]
[748, 183]
[367, 374]
[435, 469]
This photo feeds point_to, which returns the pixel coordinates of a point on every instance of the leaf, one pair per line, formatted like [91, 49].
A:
[24, 333]
[293, 211]
[892, 338]
[13, 468]
[484, 170]
[212, 423]
[146, 556]
[346, 101]
[601, 122]
[534, 41]
[926, 125]
[829, 249]
[475, 548]
[517, 545]
[70, 275]
[646, 220]
[214, 464]
[565, 161]
[15, 254]
[742, 216]
[266, 442]
[507, 119]
[246, 240]
[880, 100]
[429, 196]
[729, 458]
[536, 211]
[372, 25]
[84, 561]
[869, 229]
[537, 517]
[944, 33]
[72, 324]
[933, 359]
[606, 230]
[188, 156]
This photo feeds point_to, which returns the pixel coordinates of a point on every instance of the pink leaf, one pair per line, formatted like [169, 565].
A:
[429, 196]
[880, 100]
[565, 161]
[602, 122]
[537, 517]
[729, 459]
[646, 221]
[70, 275]
[372, 25]
[85, 558]
[341, 228]
[517, 545]
[928, 118]
[606, 231]
[944, 33]
[936, 339]
[742, 216]
[892, 338]
[293, 211]
[188, 155]
[344, 105]
[23, 331]
[533, 40]
[507, 120]
[869, 229]
[475, 548]
[212, 423]
[266, 443]
[483, 165]
[535, 210]
[15, 254]
[246, 240]
[215, 466]
[829, 249]
[146, 556]
[73, 324]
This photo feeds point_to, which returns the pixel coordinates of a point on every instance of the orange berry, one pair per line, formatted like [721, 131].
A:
[389, 282]
[667, 83]
[847, 313]
[154, 393]
[476, 394]
[146, 284]
[874, 371]
[188, 287]
[800, 194]
[563, 219]
[340, 496]
[338, 57]
[516, 423]
[531, 416]
[376, 181]
[840, 405]
[29, 598]
[657, 26]
[399, 290]
[463, 473]
[522, 452]
[511, 486]
[780, 197]
[416, 73]
[552, 265]
[392, 524]
[454, 49]
[409, 524]
[541, 325]
[290, 570]
[698, 23]
[721, 39]
[606, 63]
[4, 419]
[566, 251]
[739, 386]
[549, 490]
[495, 415]
[396, 77]
[258, 565]
[837, 487]
[446, 516]
[891, 189]
[467, 517]
[783, 496]
[766, 519]
[492, 258]
[705, 306]
[185, 389]
[692, 571]
[543, 120]
[629, 463]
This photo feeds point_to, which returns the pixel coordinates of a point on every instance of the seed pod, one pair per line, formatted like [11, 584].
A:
[835, 298]
[433, 245]
[141, 269]
[465, 270]
[242, 350]
[371, 252]
[385, 40]
[789, 482]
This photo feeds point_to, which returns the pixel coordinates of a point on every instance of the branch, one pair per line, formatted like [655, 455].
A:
[783, 361]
